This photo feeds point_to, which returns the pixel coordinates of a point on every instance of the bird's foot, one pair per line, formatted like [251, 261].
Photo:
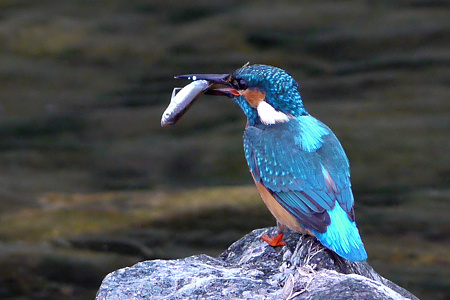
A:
[274, 241]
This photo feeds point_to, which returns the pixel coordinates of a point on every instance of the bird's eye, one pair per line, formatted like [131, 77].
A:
[240, 84]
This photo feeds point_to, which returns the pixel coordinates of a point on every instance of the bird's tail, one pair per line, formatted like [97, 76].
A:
[342, 236]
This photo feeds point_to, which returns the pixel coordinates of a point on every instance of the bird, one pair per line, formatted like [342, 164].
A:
[297, 163]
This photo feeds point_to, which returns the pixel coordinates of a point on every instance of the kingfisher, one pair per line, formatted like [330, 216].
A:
[297, 163]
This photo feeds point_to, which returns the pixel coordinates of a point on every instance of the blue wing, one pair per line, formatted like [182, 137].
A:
[304, 166]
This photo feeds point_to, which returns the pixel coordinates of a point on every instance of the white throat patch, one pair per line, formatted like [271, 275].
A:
[269, 116]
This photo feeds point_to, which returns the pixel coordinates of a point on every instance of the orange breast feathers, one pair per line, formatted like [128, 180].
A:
[282, 215]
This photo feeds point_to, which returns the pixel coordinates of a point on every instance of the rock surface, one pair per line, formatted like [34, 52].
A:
[251, 269]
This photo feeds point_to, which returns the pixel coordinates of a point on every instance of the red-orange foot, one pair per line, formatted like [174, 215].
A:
[274, 241]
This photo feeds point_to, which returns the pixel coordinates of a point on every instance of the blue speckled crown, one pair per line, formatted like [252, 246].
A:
[281, 89]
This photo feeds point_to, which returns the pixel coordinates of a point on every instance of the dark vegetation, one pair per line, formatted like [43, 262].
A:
[89, 182]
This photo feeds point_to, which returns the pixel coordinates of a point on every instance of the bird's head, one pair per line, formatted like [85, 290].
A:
[267, 95]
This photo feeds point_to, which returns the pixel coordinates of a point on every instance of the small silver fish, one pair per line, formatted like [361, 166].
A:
[181, 99]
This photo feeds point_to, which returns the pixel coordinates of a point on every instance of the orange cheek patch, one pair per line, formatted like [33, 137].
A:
[253, 96]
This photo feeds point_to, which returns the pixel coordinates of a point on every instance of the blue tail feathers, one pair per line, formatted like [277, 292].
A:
[342, 236]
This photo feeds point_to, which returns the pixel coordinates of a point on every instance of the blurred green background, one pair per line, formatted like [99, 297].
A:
[89, 182]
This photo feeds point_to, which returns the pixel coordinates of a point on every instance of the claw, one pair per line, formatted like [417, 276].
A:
[274, 241]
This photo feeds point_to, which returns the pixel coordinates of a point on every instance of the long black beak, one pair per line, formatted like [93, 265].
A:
[213, 78]
[217, 80]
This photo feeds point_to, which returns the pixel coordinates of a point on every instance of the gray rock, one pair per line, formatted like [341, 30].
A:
[251, 269]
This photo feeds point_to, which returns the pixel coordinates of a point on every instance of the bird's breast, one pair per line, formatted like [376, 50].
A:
[281, 214]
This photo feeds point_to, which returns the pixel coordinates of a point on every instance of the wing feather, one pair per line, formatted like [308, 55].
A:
[304, 166]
